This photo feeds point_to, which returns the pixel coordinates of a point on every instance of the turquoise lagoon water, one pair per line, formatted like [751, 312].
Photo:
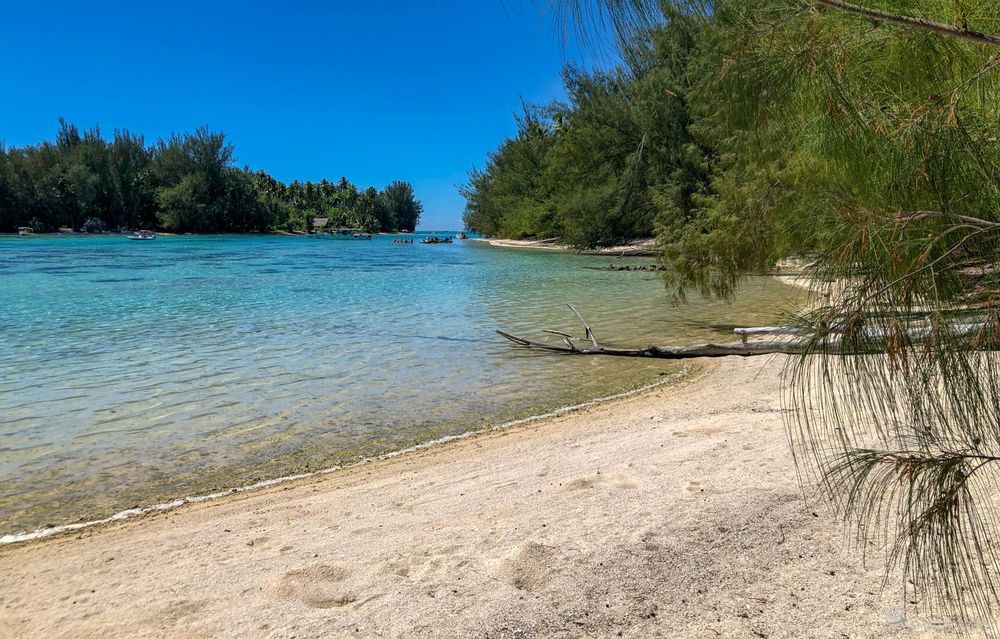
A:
[137, 372]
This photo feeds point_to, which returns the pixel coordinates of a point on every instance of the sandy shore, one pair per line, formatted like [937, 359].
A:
[638, 248]
[671, 514]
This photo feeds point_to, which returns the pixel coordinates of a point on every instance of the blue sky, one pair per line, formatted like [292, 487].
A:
[373, 91]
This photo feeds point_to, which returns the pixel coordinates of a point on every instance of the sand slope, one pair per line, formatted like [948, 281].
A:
[638, 248]
[672, 514]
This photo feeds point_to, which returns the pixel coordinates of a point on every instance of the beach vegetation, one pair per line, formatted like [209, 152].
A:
[864, 140]
[596, 169]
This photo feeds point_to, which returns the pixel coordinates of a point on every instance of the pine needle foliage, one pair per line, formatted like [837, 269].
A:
[865, 139]
[592, 170]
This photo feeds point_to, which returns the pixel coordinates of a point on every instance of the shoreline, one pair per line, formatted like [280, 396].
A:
[98, 502]
[674, 511]
[277, 232]
[685, 376]
[638, 248]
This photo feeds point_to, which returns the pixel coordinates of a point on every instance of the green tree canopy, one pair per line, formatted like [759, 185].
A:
[185, 183]
[592, 171]
[402, 205]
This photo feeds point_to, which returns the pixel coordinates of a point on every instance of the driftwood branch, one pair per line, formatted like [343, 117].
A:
[588, 333]
[668, 352]
[868, 340]
[744, 333]
[742, 348]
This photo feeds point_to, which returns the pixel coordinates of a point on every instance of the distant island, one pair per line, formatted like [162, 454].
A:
[188, 183]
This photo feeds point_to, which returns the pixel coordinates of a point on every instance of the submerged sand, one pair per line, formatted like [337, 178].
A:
[675, 513]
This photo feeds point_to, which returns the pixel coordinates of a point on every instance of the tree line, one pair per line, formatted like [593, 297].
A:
[186, 183]
[609, 163]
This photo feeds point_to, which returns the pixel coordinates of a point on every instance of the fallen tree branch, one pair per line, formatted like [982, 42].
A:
[589, 334]
[744, 333]
[669, 352]
[867, 340]
[743, 348]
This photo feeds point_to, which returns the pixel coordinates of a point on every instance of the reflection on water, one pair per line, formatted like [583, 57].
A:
[133, 372]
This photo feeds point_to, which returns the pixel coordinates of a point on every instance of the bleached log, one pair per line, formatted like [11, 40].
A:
[871, 341]
[668, 352]
[744, 333]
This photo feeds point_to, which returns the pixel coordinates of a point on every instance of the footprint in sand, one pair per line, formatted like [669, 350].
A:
[533, 567]
[582, 483]
[400, 569]
[316, 586]
[703, 431]
[699, 487]
[176, 611]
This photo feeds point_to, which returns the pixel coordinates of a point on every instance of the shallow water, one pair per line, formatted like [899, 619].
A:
[134, 372]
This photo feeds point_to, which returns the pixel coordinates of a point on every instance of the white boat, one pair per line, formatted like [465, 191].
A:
[142, 235]
[25, 230]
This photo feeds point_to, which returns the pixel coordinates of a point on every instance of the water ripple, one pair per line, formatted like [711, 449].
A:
[134, 374]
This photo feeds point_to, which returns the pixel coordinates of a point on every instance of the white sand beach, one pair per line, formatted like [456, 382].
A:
[674, 513]
[639, 248]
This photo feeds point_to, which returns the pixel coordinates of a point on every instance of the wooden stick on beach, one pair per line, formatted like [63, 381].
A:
[872, 340]
[743, 348]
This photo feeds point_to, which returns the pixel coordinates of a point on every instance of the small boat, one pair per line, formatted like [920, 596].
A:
[434, 239]
[461, 235]
[142, 235]
[25, 230]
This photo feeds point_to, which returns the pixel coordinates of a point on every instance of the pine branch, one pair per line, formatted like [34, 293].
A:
[859, 307]
[915, 23]
[915, 216]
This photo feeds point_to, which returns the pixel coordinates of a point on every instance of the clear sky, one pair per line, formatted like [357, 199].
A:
[373, 91]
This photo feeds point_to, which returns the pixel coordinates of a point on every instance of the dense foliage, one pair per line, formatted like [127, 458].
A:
[187, 183]
[599, 169]
[862, 138]
[870, 148]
